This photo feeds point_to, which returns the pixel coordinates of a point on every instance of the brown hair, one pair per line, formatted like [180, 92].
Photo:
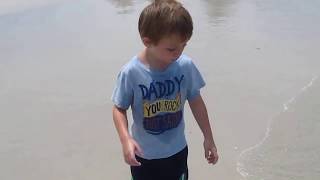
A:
[163, 18]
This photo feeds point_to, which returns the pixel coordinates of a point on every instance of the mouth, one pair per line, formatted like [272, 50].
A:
[175, 59]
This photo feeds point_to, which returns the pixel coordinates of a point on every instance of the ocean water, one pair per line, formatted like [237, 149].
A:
[59, 60]
[290, 148]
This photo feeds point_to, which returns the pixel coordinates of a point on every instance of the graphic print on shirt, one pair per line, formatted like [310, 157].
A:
[162, 108]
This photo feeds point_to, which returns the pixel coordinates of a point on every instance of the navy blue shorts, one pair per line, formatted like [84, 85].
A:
[172, 168]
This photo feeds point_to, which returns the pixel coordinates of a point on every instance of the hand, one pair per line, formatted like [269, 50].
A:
[130, 148]
[210, 150]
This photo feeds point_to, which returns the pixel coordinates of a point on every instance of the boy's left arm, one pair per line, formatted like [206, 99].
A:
[200, 113]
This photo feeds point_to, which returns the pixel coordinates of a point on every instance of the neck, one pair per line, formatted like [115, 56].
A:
[151, 61]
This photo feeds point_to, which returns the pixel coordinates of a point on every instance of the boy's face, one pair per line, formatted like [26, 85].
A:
[168, 49]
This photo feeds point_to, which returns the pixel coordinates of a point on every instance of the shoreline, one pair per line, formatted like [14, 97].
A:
[240, 166]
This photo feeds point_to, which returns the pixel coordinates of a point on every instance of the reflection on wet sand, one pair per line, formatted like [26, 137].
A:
[218, 10]
[123, 6]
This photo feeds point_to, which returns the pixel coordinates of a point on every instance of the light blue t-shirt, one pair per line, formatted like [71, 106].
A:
[157, 101]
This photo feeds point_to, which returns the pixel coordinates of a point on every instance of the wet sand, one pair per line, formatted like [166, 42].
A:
[59, 62]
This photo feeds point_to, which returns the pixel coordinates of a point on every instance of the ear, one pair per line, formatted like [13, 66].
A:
[146, 41]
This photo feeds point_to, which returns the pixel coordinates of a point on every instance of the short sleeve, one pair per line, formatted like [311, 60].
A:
[123, 93]
[195, 82]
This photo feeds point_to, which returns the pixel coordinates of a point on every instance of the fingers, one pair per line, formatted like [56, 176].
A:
[130, 150]
[216, 157]
[134, 161]
[213, 157]
[210, 158]
[137, 149]
[130, 159]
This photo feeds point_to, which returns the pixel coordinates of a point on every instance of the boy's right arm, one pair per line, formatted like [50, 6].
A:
[129, 146]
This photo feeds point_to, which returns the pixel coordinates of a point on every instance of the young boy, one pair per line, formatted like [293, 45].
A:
[156, 83]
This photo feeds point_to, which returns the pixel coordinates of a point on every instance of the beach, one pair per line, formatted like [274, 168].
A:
[59, 60]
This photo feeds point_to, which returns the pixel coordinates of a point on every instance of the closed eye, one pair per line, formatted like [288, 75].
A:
[171, 49]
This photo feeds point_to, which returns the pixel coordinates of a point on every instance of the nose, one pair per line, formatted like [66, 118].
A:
[178, 53]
